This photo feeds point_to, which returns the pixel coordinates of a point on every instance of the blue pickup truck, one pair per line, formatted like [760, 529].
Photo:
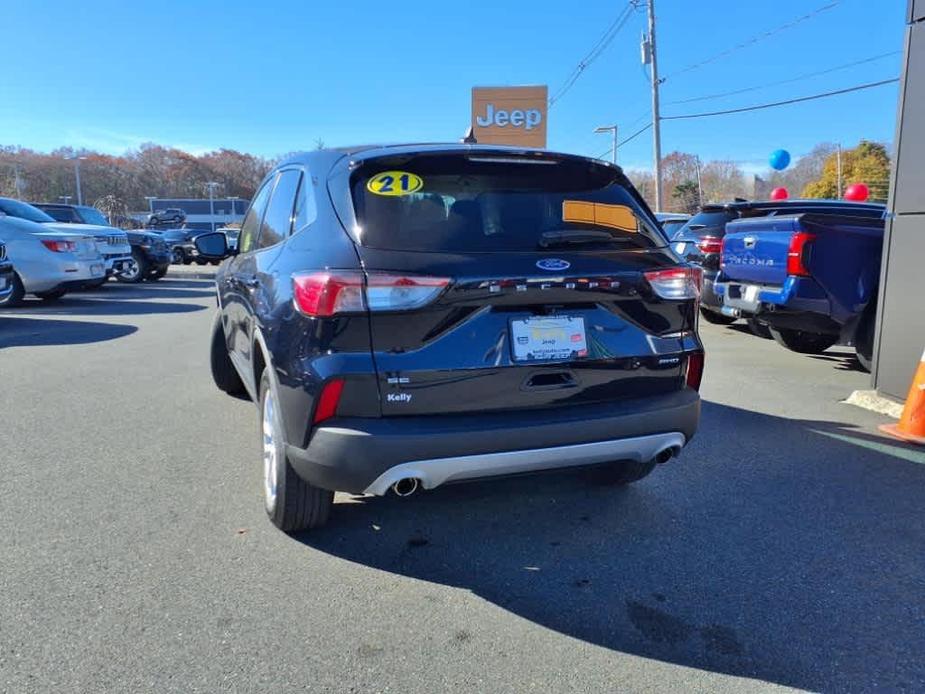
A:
[811, 278]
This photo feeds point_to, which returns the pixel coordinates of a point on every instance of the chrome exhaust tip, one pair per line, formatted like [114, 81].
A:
[406, 486]
[667, 454]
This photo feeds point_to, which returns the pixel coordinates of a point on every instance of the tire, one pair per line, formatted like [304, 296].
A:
[179, 257]
[624, 472]
[759, 329]
[803, 342]
[201, 261]
[137, 269]
[864, 338]
[223, 372]
[155, 275]
[716, 318]
[52, 295]
[15, 297]
[291, 503]
[215, 262]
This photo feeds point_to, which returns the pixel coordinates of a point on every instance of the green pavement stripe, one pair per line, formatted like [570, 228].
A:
[885, 448]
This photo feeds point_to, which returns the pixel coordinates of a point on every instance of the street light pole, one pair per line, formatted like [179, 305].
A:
[211, 186]
[77, 160]
[611, 129]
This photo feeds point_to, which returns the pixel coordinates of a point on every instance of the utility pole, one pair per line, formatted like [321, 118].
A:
[699, 185]
[650, 52]
[838, 160]
[611, 129]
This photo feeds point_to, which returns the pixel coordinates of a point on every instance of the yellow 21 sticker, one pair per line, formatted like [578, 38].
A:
[394, 183]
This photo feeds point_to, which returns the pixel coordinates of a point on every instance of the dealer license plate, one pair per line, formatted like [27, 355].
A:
[544, 338]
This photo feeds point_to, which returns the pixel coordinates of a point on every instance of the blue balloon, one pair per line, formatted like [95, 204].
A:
[780, 159]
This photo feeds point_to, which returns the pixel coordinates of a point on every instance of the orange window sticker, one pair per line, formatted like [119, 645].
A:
[602, 214]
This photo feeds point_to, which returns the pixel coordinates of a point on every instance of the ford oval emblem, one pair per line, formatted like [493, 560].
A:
[553, 264]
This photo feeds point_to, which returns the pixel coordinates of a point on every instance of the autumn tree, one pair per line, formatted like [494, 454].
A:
[687, 197]
[868, 163]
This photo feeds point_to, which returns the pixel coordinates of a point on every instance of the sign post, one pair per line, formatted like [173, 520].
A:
[510, 115]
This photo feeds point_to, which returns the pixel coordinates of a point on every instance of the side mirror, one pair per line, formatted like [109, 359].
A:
[212, 245]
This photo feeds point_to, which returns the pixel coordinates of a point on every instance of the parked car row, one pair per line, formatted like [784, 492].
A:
[805, 272]
[51, 257]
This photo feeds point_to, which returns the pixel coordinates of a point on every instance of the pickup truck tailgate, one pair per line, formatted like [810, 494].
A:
[756, 250]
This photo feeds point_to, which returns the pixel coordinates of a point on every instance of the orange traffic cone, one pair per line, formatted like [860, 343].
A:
[911, 426]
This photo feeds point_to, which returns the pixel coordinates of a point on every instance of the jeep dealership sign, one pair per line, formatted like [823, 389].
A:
[510, 115]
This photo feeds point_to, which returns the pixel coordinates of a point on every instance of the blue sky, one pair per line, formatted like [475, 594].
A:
[273, 77]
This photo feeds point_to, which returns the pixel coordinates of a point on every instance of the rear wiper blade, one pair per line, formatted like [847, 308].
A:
[567, 237]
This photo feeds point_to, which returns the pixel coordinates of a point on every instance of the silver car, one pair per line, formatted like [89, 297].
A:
[112, 242]
[47, 263]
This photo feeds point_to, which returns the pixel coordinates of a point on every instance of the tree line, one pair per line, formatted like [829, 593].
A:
[152, 170]
[124, 182]
[688, 183]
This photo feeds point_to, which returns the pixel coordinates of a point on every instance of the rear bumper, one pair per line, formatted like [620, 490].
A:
[114, 262]
[708, 297]
[361, 455]
[795, 295]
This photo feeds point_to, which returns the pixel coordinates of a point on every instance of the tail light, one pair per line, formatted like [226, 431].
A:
[694, 370]
[796, 254]
[710, 244]
[60, 246]
[676, 282]
[328, 400]
[329, 293]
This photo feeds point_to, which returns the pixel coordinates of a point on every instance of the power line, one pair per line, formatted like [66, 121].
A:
[635, 135]
[602, 43]
[787, 81]
[783, 103]
[754, 39]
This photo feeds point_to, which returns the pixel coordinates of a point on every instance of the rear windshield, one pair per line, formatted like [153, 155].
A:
[707, 223]
[59, 214]
[15, 208]
[472, 203]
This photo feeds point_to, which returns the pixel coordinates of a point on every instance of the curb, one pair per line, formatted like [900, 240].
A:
[871, 400]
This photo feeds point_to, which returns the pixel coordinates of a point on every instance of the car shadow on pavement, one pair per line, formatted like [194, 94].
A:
[79, 306]
[774, 549]
[144, 292]
[17, 331]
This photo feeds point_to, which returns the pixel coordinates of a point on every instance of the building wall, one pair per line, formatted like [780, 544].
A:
[901, 321]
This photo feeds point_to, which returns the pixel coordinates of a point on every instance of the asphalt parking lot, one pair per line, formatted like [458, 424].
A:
[783, 549]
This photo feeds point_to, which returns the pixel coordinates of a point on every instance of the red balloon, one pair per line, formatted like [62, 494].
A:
[857, 192]
[780, 194]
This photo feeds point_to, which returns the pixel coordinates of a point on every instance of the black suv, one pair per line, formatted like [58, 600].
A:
[171, 215]
[700, 241]
[411, 316]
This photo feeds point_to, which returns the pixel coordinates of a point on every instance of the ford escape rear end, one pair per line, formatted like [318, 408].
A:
[418, 315]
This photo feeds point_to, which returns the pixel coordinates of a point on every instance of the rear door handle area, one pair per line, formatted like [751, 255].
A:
[550, 380]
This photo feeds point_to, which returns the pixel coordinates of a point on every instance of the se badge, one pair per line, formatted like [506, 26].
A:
[394, 183]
